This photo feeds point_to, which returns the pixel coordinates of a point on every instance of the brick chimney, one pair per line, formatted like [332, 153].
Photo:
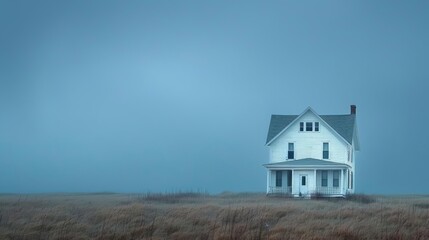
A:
[353, 109]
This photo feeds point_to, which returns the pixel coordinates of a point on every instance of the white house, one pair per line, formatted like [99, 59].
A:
[312, 154]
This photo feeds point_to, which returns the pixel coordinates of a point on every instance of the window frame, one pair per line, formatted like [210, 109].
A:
[349, 158]
[316, 126]
[336, 181]
[324, 177]
[279, 178]
[289, 178]
[325, 153]
[309, 125]
[291, 153]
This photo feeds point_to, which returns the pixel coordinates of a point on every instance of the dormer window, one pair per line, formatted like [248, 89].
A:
[309, 126]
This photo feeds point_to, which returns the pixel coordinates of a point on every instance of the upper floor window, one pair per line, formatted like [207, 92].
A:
[348, 155]
[325, 150]
[291, 151]
[309, 126]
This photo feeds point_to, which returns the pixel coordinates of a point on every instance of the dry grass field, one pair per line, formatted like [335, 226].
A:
[200, 216]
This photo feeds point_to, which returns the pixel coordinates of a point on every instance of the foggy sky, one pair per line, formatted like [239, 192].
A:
[137, 96]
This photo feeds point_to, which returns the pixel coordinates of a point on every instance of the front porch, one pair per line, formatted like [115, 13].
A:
[327, 180]
[319, 191]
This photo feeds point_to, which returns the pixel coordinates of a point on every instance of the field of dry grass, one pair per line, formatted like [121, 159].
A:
[199, 216]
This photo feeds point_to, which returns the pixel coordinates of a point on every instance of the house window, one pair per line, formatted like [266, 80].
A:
[325, 150]
[291, 152]
[289, 179]
[324, 178]
[279, 175]
[336, 182]
[348, 155]
[308, 126]
[303, 181]
[348, 179]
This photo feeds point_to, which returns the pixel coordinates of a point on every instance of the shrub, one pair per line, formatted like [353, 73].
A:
[360, 198]
[174, 197]
[280, 195]
[316, 195]
[422, 205]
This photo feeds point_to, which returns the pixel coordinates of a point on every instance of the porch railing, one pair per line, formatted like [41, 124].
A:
[323, 191]
[279, 190]
[328, 190]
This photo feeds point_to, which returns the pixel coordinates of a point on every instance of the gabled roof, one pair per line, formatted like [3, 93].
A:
[305, 162]
[278, 123]
[344, 125]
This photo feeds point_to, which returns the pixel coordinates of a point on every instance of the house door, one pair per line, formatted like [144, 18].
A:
[303, 184]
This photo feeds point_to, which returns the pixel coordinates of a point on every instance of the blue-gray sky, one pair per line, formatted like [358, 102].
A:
[136, 96]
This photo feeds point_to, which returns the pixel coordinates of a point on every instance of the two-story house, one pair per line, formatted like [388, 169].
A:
[312, 154]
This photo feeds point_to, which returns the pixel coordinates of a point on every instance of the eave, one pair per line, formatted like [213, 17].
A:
[307, 163]
[320, 119]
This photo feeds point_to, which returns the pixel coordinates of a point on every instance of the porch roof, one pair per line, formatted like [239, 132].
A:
[306, 163]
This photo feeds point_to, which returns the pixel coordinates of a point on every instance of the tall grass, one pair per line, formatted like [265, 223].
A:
[201, 216]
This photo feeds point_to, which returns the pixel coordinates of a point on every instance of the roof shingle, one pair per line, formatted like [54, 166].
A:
[342, 124]
[278, 123]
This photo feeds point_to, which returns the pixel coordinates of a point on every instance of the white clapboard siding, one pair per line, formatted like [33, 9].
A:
[309, 144]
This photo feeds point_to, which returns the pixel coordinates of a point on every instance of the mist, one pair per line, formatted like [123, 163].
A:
[155, 96]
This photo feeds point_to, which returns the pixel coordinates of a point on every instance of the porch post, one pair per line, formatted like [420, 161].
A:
[347, 179]
[268, 180]
[315, 181]
[292, 186]
[341, 182]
